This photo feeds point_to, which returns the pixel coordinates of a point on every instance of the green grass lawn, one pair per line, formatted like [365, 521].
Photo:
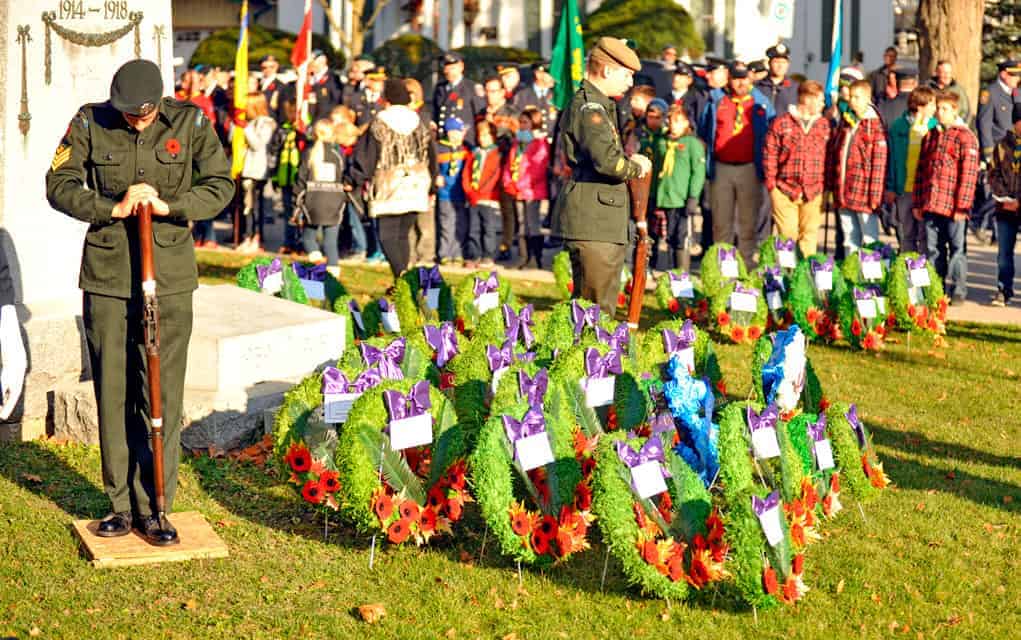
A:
[934, 556]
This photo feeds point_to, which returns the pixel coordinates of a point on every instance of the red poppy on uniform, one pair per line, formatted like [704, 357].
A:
[173, 146]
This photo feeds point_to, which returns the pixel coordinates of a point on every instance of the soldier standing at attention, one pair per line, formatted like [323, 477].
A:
[457, 97]
[591, 213]
[137, 149]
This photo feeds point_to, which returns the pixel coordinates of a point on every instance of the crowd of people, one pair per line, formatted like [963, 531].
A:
[740, 149]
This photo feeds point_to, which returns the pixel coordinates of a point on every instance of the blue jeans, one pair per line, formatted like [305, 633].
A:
[358, 240]
[292, 236]
[330, 234]
[202, 231]
[451, 227]
[484, 225]
[1007, 225]
[945, 242]
[859, 229]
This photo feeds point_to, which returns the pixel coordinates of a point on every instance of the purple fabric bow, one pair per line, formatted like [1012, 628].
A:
[388, 359]
[862, 294]
[761, 506]
[618, 340]
[817, 429]
[662, 423]
[826, 265]
[531, 424]
[489, 285]
[334, 381]
[676, 342]
[859, 430]
[597, 366]
[727, 254]
[429, 278]
[765, 420]
[316, 272]
[677, 278]
[533, 389]
[366, 380]
[499, 357]
[264, 271]
[773, 279]
[915, 263]
[583, 317]
[869, 256]
[783, 244]
[651, 451]
[443, 340]
[740, 288]
[519, 325]
[403, 406]
[384, 305]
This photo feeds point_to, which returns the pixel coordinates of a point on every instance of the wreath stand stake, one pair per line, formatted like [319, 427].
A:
[606, 563]
[379, 474]
[755, 614]
[482, 551]
[521, 581]
[862, 512]
[326, 526]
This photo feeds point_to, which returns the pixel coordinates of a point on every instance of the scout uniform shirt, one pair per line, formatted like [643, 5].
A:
[594, 203]
[100, 156]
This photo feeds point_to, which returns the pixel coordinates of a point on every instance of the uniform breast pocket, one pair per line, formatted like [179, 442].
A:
[171, 172]
[111, 174]
[614, 198]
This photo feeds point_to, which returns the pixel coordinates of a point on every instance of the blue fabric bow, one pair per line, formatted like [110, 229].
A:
[316, 272]
[773, 279]
[429, 278]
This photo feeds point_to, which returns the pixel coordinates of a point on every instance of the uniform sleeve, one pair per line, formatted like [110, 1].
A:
[596, 136]
[697, 182]
[211, 187]
[65, 181]
[984, 124]
[968, 172]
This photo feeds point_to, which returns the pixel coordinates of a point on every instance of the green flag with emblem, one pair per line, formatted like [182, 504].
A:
[568, 60]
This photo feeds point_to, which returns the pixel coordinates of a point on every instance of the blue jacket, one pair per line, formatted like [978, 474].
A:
[762, 115]
[450, 164]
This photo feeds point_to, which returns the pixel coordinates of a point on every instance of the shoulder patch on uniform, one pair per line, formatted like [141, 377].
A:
[60, 157]
[983, 97]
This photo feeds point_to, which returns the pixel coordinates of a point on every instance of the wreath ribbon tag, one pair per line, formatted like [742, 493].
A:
[529, 439]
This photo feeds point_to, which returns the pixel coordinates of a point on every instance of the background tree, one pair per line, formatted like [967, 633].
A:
[1001, 35]
[220, 48]
[651, 24]
[354, 42]
[951, 30]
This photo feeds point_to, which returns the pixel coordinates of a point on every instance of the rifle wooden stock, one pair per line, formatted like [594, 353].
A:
[151, 330]
[638, 190]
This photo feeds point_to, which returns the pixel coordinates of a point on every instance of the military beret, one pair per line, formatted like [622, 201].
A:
[452, 57]
[738, 69]
[268, 58]
[453, 123]
[1010, 65]
[615, 51]
[778, 51]
[136, 88]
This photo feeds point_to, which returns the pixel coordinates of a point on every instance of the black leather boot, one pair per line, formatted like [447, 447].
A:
[115, 525]
[158, 531]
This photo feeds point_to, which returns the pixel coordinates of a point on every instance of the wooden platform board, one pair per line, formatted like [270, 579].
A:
[198, 541]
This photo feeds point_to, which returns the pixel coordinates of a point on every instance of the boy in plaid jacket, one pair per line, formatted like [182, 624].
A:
[944, 191]
[1005, 182]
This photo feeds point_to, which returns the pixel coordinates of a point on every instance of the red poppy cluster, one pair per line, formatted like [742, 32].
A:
[793, 588]
[546, 535]
[801, 516]
[824, 323]
[874, 472]
[698, 562]
[933, 321]
[317, 484]
[402, 518]
[737, 333]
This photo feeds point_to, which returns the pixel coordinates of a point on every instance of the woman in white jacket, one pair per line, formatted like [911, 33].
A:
[258, 133]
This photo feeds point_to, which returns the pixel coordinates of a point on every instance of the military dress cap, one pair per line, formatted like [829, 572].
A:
[136, 88]
[778, 51]
[712, 64]
[683, 69]
[616, 51]
[738, 69]
[1011, 66]
[757, 66]
[452, 57]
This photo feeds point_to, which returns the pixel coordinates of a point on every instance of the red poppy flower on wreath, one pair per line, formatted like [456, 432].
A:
[565, 542]
[459, 324]
[582, 497]
[409, 511]
[540, 543]
[611, 418]
[650, 552]
[312, 492]
[812, 315]
[521, 523]
[547, 527]
[329, 482]
[455, 475]
[737, 334]
[446, 380]
[699, 574]
[790, 590]
[824, 403]
[427, 521]
[723, 318]
[675, 568]
[383, 506]
[399, 531]
[798, 566]
[673, 305]
[298, 457]
[173, 146]
[453, 509]
[856, 328]
[570, 287]
[621, 300]
[436, 498]
[721, 386]
[754, 333]
[769, 583]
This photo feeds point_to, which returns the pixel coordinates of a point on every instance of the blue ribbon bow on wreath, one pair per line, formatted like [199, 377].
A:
[691, 401]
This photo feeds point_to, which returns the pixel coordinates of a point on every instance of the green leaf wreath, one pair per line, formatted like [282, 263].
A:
[815, 311]
[925, 314]
[563, 275]
[738, 326]
[712, 277]
[854, 452]
[292, 289]
[411, 304]
[467, 314]
[695, 308]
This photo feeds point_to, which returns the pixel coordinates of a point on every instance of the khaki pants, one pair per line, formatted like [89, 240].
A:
[595, 269]
[736, 194]
[800, 220]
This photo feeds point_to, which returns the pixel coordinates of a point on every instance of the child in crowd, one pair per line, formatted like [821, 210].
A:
[906, 134]
[258, 133]
[647, 135]
[320, 193]
[481, 182]
[524, 177]
[451, 210]
[681, 167]
[1005, 182]
[285, 175]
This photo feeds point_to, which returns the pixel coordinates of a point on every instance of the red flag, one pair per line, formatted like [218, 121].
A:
[300, 56]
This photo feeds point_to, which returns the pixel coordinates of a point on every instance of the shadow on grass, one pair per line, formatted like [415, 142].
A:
[915, 442]
[984, 333]
[36, 468]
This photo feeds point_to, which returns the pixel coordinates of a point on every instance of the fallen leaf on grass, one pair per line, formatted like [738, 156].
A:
[951, 475]
[31, 477]
[35, 631]
[840, 586]
[371, 613]
[665, 616]
[920, 506]
[878, 599]
[1008, 499]
[498, 603]
[264, 579]
[467, 558]
[988, 527]
[953, 621]
[224, 523]
[190, 605]
[510, 636]
[451, 633]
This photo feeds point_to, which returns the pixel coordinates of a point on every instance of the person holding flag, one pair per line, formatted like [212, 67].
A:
[300, 57]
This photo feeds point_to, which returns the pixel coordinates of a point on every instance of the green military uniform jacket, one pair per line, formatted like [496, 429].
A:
[100, 156]
[594, 203]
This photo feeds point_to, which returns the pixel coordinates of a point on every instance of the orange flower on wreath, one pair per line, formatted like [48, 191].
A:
[382, 505]
[723, 318]
[754, 333]
[399, 531]
[737, 334]
[521, 521]
[769, 582]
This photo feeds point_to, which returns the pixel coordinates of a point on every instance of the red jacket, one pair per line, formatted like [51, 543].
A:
[794, 160]
[856, 164]
[482, 183]
[947, 171]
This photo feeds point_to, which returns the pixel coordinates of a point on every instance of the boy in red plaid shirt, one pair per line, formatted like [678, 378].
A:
[944, 191]
[794, 161]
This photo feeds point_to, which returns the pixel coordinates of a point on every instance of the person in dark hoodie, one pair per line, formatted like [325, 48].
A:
[320, 194]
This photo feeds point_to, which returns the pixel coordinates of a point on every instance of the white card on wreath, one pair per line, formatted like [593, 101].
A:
[533, 451]
[915, 296]
[497, 376]
[787, 259]
[823, 454]
[728, 268]
[273, 283]
[881, 304]
[411, 432]
[647, 479]
[770, 521]
[919, 277]
[336, 406]
[599, 391]
[866, 308]
[687, 357]
[824, 280]
[432, 298]
[314, 289]
[743, 302]
[391, 323]
[682, 288]
[765, 444]
[487, 301]
[871, 271]
[774, 300]
[357, 315]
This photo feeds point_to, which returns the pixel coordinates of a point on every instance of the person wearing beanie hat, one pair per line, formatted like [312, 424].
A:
[1005, 184]
[138, 149]
[592, 212]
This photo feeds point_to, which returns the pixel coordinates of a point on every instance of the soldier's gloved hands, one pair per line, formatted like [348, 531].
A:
[135, 194]
[691, 207]
[644, 164]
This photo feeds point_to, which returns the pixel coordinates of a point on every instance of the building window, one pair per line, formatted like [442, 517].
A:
[532, 26]
[827, 31]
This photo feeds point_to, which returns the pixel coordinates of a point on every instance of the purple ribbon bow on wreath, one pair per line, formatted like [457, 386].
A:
[415, 403]
[533, 389]
[334, 381]
[817, 429]
[724, 255]
[773, 279]
[532, 423]
[597, 366]
[264, 271]
[484, 286]
[384, 305]
[678, 278]
[761, 506]
[859, 430]
[499, 357]
[869, 256]
[824, 266]
[862, 294]
[316, 272]
[783, 244]
[662, 422]
[915, 263]
[388, 359]
[618, 340]
[677, 342]
[765, 420]
[740, 288]
[583, 317]
[443, 340]
[429, 278]
[651, 451]
[352, 306]
[519, 325]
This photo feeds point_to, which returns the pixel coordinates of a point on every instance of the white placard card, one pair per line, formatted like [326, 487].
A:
[787, 259]
[774, 300]
[273, 283]
[915, 296]
[411, 432]
[647, 479]
[743, 302]
[487, 301]
[598, 391]
[728, 268]
[391, 323]
[682, 288]
[823, 454]
[866, 308]
[336, 406]
[770, 521]
[687, 357]
[764, 443]
[314, 289]
[533, 451]
[432, 298]
[919, 277]
[871, 271]
[497, 376]
[824, 280]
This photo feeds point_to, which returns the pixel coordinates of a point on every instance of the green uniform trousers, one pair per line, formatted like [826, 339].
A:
[595, 270]
[113, 331]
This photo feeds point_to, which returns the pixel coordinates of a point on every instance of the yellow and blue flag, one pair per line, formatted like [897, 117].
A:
[237, 141]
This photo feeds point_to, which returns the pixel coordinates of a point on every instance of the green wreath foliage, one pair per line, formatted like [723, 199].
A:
[769, 256]
[712, 279]
[814, 311]
[738, 327]
[859, 466]
[653, 357]
[464, 299]
[695, 308]
[868, 334]
[492, 326]
[558, 333]
[563, 275]
[411, 306]
[292, 289]
[826, 483]
[630, 396]
[929, 317]
[851, 270]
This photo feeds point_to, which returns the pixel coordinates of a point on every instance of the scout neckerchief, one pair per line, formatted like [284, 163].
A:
[739, 103]
[669, 159]
[1016, 164]
[480, 159]
[851, 118]
[454, 165]
[515, 160]
[290, 158]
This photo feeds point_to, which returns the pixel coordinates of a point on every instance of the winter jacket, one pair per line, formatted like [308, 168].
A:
[1005, 169]
[681, 170]
[794, 158]
[762, 116]
[900, 141]
[318, 189]
[524, 172]
[481, 175]
[257, 134]
[947, 171]
[856, 162]
[450, 163]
